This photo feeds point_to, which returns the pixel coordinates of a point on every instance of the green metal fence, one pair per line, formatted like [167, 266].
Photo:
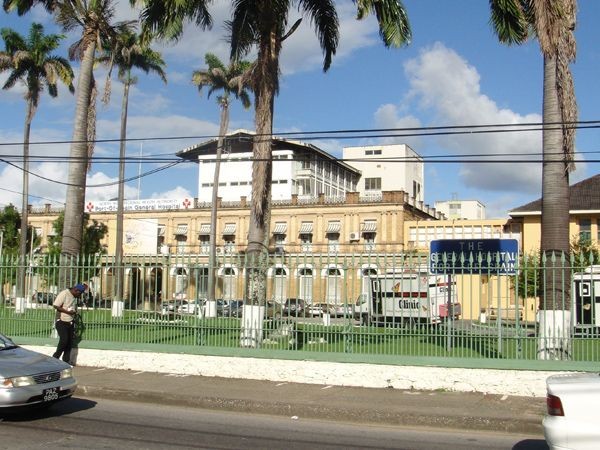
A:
[376, 308]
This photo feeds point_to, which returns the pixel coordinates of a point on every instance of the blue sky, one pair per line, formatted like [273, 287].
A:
[454, 72]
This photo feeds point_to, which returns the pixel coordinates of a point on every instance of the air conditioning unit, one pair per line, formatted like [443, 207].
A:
[219, 250]
[354, 236]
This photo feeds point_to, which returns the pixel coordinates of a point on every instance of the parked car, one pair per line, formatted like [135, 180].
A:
[235, 308]
[294, 307]
[572, 417]
[43, 298]
[29, 378]
[229, 308]
[103, 303]
[171, 307]
[188, 307]
[317, 309]
[341, 310]
[273, 310]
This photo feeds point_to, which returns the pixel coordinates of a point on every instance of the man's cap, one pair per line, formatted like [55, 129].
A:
[80, 287]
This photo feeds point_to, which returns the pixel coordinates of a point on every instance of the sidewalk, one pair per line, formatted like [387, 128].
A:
[383, 406]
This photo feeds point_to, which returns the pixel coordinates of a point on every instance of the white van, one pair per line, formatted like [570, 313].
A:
[408, 297]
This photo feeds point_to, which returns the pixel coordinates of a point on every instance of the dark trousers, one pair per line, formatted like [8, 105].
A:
[65, 340]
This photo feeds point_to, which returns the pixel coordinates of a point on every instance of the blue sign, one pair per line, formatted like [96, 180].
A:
[473, 256]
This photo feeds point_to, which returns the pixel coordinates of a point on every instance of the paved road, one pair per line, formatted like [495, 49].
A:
[102, 423]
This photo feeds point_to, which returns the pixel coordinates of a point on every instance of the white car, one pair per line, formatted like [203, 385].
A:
[572, 421]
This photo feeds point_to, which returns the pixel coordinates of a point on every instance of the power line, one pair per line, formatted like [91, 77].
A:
[360, 133]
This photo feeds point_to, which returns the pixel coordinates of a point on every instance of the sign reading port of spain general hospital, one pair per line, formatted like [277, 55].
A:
[473, 256]
[151, 204]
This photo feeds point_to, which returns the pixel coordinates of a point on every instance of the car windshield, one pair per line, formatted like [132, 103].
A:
[6, 343]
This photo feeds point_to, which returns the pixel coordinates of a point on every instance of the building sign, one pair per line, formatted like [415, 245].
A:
[151, 204]
[473, 256]
[140, 236]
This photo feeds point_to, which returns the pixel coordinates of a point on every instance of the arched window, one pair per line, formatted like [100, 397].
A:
[181, 274]
[228, 275]
[334, 276]
[305, 275]
[280, 277]
[364, 272]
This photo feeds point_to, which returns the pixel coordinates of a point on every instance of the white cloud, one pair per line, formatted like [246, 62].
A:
[388, 117]
[444, 83]
[178, 77]
[178, 192]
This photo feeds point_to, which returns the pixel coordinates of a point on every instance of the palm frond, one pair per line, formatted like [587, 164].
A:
[510, 20]
[391, 15]
[165, 18]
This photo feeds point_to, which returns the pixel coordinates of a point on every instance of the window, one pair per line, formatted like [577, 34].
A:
[279, 242]
[304, 187]
[333, 242]
[369, 241]
[306, 242]
[373, 152]
[585, 229]
[372, 184]
[416, 190]
[204, 243]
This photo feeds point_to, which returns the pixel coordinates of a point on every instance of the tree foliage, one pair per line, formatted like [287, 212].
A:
[93, 233]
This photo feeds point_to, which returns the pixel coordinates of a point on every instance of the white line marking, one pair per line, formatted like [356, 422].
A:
[327, 387]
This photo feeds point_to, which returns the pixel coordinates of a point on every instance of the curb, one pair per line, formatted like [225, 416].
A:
[313, 411]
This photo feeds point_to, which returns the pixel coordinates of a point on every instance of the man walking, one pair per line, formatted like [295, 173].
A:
[66, 308]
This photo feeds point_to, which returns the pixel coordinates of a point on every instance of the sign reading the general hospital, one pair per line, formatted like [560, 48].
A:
[473, 256]
[151, 204]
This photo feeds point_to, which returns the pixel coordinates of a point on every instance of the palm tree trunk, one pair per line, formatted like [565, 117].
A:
[258, 233]
[212, 255]
[121, 200]
[21, 283]
[78, 164]
[555, 304]
[257, 253]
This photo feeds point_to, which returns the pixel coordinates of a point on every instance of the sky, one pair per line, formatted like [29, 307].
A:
[453, 73]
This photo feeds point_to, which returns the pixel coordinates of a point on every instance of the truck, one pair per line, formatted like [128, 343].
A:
[408, 297]
[586, 299]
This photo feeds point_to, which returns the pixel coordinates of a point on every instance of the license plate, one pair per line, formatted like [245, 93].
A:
[50, 394]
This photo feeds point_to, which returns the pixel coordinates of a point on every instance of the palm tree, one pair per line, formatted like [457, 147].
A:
[94, 19]
[31, 62]
[553, 24]
[228, 79]
[263, 24]
[127, 52]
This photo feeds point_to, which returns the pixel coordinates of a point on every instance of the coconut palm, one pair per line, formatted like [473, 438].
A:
[95, 20]
[553, 24]
[262, 24]
[30, 61]
[127, 52]
[218, 77]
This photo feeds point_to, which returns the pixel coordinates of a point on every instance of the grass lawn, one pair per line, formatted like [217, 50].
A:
[188, 330]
